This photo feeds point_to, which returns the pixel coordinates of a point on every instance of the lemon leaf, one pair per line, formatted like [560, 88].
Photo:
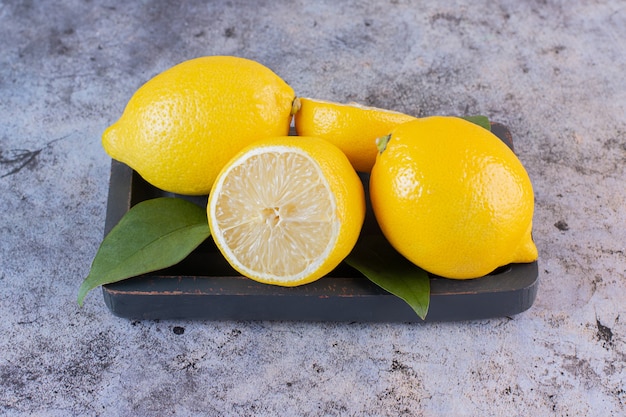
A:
[375, 258]
[482, 121]
[152, 235]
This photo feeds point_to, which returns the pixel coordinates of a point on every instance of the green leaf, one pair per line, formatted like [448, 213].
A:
[152, 235]
[375, 258]
[481, 121]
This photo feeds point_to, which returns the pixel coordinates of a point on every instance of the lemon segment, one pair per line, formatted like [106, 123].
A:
[287, 210]
[352, 127]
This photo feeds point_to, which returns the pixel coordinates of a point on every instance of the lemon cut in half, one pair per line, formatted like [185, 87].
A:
[287, 210]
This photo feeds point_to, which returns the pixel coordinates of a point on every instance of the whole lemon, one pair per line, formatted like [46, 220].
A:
[287, 210]
[352, 127]
[182, 126]
[452, 198]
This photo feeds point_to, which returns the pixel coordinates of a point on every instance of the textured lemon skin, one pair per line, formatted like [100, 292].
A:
[183, 125]
[452, 198]
[344, 184]
[351, 127]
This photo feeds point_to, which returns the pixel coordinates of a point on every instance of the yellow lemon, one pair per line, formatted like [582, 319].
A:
[286, 210]
[352, 127]
[181, 127]
[452, 198]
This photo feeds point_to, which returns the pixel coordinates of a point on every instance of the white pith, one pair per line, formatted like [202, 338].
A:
[357, 105]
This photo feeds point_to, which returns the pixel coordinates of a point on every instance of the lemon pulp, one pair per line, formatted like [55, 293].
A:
[274, 215]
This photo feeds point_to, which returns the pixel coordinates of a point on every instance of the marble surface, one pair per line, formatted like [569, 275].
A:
[553, 71]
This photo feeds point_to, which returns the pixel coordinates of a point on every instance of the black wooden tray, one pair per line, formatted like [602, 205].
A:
[204, 286]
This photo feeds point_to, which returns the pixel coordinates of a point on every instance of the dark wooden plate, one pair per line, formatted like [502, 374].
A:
[204, 286]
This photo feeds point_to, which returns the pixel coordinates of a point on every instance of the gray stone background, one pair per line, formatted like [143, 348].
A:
[553, 71]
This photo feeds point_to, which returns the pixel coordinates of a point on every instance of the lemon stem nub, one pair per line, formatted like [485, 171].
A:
[295, 106]
[381, 143]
